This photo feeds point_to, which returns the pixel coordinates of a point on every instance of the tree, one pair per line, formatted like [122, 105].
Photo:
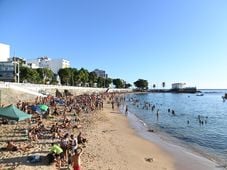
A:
[65, 75]
[92, 78]
[54, 80]
[108, 81]
[74, 77]
[29, 75]
[100, 82]
[45, 74]
[141, 84]
[154, 86]
[127, 85]
[83, 76]
[118, 83]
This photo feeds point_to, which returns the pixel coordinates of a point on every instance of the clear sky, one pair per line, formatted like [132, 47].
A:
[157, 40]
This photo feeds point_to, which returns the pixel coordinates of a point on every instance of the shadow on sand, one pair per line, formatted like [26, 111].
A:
[12, 163]
[22, 160]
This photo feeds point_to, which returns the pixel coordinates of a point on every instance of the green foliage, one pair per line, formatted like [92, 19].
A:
[68, 76]
[45, 74]
[103, 82]
[100, 82]
[118, 83]
[83, 76]
[141, 84]
[108, 81]
[65, 75]
[92, 79]
[127, 85]
[29, 75]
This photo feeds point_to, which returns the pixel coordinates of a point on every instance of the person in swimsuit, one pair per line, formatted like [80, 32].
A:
[76, 163]
[12, 147]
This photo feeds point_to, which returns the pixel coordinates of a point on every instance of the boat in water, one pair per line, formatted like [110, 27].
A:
[200, 94]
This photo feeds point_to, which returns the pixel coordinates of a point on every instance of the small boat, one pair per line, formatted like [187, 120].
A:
[200, 94]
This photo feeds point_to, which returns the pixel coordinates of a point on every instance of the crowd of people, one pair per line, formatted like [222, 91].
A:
[58, 123]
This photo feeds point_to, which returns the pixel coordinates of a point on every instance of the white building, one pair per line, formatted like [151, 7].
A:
[4, 52]
[178, 85]
[54, 64]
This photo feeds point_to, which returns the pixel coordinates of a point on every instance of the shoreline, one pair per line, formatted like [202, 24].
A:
[112, 144]
[115, 142]
[186, 158]
[121, 148]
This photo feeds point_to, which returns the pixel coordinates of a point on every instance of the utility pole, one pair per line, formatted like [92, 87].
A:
[18, 70]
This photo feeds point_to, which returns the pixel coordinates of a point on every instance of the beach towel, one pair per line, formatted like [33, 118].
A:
[34, 159]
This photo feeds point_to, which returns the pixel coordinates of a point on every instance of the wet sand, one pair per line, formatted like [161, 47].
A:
[185, 159]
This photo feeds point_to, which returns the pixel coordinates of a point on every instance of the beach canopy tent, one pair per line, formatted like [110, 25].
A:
[11, 112]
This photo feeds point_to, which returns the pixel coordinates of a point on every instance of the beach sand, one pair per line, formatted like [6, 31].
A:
[113, 144]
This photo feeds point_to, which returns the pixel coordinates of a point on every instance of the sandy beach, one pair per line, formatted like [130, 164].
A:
[113, 143]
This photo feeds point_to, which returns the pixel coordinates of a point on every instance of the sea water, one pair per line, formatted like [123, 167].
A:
[199, 122]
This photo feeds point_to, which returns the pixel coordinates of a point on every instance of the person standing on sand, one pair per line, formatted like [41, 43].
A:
[76, 163]
[126, 110]
[112, 105]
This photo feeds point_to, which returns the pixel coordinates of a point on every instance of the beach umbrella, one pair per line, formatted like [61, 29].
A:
[43, 107]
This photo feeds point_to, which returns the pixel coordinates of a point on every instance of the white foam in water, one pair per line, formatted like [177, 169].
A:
[144, 124]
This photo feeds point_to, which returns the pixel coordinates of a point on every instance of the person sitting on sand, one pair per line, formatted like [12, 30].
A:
[32, 135]
[12, 147]
[66, 122]
[76, 163]
[55, 111]
[81, 139]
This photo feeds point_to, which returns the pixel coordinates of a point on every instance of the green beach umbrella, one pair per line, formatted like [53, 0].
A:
[43, 107]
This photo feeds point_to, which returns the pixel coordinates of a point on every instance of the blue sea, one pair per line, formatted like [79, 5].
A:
[198, 122]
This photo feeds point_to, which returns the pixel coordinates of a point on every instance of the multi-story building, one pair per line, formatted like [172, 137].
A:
[4, 52]
[44, 62]
[56, 64]
[178, 85]
[7, 71]
[100, 73]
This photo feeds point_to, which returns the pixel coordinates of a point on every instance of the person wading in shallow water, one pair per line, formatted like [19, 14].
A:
[126, 110]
